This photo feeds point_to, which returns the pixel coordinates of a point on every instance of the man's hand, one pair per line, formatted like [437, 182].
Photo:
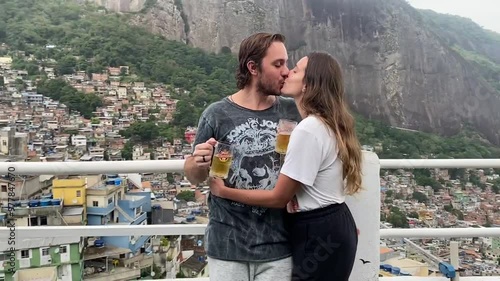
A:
[203, 153]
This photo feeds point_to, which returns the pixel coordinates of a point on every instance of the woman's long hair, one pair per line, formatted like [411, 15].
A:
[324, 97]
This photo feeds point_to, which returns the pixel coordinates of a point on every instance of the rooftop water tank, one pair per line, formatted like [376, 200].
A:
[45, 202]
[56, 202]
[387, 267]
[99, 243]
[34, 203]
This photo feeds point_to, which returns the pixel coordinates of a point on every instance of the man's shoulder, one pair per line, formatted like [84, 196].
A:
[216, 109]
[289, 108]
[220, 104]
[286, 100]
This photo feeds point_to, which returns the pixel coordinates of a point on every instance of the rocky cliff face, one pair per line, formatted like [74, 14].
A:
[120, 5]
[396, 68]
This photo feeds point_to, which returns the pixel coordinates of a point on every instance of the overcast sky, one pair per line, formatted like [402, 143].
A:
[486, 13]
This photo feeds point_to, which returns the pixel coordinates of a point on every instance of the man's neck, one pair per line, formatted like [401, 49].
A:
[253, 100]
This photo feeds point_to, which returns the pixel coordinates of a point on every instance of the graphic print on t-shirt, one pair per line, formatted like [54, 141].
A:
[255, 164]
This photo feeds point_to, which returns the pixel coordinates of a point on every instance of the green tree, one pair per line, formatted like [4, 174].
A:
[399, 196]
[186, 196]
[448, 208]
[420, 197]
[66, 65]
[413, 215]
[398, 218]
[59, 89]
[127, 150]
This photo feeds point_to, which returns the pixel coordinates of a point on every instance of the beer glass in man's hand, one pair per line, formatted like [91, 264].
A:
[221, 161]
[285, 128]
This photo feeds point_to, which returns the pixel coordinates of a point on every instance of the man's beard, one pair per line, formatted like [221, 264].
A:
[266, 89]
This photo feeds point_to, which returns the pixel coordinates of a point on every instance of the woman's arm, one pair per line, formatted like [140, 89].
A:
[302, 163]
[278, 197]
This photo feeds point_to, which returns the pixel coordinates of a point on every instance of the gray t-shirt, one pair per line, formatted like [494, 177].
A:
[238, 232]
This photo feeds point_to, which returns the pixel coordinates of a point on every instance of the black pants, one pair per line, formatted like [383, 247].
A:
[324, 243]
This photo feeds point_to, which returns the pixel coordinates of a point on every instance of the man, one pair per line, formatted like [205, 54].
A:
[247, 243]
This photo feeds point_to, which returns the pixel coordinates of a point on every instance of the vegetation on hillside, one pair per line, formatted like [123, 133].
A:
[60, 90]
[488, 68]
[460, 26]
[86, 38]
[469, 40]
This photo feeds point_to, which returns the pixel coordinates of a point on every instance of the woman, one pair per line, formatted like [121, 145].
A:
[322, 165]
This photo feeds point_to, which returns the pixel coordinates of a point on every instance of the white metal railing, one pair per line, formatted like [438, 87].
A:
[27, 232]
[162, 166]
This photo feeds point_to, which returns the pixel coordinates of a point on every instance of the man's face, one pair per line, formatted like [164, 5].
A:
[273, 70]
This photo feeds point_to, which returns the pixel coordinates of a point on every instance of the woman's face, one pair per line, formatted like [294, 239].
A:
[294, 84]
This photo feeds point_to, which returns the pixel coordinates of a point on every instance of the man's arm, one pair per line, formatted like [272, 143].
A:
[196, 166]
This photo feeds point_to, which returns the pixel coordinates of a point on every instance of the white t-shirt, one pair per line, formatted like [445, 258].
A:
[312, 159]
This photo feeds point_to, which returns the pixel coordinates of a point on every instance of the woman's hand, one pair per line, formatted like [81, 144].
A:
[216, 186]
[292, 205]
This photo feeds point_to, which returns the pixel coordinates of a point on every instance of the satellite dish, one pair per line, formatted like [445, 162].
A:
[200, 243]
[153, 273]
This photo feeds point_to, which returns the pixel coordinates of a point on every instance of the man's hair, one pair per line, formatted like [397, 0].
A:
[254, 48]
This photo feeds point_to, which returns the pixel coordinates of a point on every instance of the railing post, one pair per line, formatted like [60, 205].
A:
[454, 259]
[365, 208]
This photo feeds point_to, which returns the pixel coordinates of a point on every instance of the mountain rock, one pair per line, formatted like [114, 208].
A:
[397, 68]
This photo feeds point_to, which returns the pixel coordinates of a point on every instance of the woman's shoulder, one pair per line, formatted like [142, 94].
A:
[310, 123]
[314, 126]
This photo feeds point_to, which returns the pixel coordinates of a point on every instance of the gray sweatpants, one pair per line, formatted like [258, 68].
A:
[279, 270]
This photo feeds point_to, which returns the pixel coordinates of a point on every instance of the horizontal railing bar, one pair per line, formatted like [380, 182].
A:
[391, 278]
[438, 163]
[25, 232]
[91, 168]
[440, 232]
[162, 166]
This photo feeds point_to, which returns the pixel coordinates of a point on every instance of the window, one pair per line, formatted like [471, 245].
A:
[4, 188]
[63, 249]
[78, 193]
[43, 220]
[25, 254]
[110, 200]
[45, 251]
[33, 221]
[95, 204]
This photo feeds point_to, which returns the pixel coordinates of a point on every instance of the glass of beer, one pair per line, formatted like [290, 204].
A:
[285, 128]
[221, 161]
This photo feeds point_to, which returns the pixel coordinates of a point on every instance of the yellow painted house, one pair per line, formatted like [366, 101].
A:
[72, 191]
